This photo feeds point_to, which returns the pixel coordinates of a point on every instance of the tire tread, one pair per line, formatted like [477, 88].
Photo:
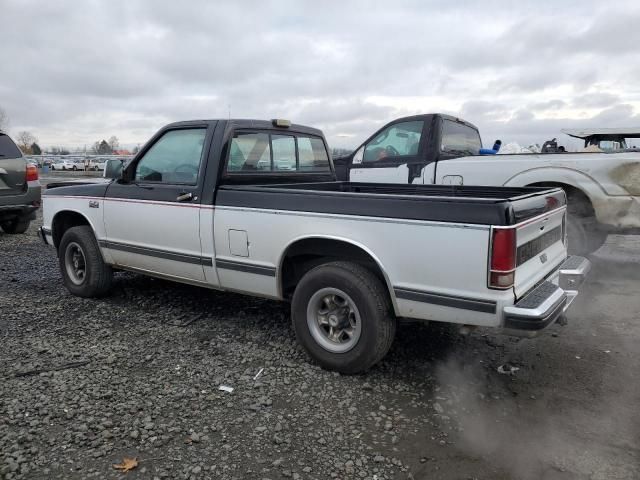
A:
[374, 290]
[100, 275]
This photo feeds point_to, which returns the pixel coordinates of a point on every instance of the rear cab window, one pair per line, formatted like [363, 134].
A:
[459, 139]
[271, 152]
[8, 149]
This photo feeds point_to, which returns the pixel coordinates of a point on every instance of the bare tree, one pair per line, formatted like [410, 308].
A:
[113, 142]
[24, 140]
[4, 120]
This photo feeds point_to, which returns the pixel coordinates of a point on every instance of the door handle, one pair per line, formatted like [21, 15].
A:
[183, 197]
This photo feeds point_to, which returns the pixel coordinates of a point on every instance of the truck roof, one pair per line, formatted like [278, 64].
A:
[249, 123]
[428, 116]
[628, 132]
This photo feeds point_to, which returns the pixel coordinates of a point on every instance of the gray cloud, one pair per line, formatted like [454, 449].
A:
[81, 71]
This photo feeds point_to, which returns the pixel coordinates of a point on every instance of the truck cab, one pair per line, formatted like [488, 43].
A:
[402, 150]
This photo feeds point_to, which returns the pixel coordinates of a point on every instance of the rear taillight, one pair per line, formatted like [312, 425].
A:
[32, 173]
[502, 265]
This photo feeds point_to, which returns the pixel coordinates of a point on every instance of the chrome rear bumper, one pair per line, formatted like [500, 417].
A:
[546, 303]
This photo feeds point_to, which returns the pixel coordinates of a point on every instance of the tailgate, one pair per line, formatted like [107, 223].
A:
[13, 168]
[540, 249]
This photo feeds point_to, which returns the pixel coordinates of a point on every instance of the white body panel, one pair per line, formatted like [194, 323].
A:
[398, 174]
[610, 180]
[162, 226]
[450, 259]
[437, 258]
[530, 272]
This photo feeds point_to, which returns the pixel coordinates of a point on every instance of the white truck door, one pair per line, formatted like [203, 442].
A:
[152, 224]
[385, 158]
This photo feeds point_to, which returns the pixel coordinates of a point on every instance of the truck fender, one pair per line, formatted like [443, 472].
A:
[72, 212]
[560, 175]
[351, 242]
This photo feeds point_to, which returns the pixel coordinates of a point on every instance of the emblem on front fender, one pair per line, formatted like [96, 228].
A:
[94, 204]
[543, 257]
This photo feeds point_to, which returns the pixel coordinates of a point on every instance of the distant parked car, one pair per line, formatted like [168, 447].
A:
[56, 165]
[70, 164]
[97, 164]
[19, 188]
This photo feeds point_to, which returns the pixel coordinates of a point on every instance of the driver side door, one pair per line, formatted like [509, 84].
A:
[152, 223]
[386, 157]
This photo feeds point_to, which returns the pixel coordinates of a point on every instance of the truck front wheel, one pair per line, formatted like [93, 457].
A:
[83, 271]
[341, 315]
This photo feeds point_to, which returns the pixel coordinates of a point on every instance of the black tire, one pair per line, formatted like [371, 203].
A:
[584, 233]
[15, 225]
[378, 325]
[74, 168]
[97, 276]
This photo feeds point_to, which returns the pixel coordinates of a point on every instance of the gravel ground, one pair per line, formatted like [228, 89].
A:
[86, 383]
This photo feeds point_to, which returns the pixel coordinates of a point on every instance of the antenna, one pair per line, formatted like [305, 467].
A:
[229, 107]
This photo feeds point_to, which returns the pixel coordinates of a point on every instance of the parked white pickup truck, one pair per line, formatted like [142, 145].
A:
[603, 188]
[253, 207]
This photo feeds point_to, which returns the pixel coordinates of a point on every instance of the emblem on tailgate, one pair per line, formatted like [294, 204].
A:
[543, 257]
[94, 204]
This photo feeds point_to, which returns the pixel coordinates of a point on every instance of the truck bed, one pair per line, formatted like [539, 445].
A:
[438, 203]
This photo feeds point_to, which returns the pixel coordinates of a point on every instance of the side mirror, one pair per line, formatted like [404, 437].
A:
[114, 169]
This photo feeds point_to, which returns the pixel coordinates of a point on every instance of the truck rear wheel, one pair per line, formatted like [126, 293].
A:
[83, 270]
[584, 233]
[341, 314]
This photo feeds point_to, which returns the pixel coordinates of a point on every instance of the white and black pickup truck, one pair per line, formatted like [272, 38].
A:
[603, 188]
[253, 207]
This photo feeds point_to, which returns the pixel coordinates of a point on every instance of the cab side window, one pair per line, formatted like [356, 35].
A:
[398, 140]
[174, 159]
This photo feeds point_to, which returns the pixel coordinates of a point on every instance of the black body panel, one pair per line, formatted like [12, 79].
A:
[440, 203]
[73, 189]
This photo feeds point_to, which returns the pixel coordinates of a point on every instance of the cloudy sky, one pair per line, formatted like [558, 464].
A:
[77, 71]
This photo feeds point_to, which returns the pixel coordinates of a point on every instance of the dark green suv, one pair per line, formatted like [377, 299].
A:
[19, 188]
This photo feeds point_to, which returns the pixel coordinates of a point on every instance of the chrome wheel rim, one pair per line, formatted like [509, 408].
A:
[75, 263]
[334, 320]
